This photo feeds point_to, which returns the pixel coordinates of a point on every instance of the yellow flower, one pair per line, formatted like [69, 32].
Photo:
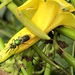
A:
[66, 5]
[46, 15]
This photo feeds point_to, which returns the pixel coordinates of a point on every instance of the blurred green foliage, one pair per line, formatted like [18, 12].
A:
[9, 25]
[19, 2]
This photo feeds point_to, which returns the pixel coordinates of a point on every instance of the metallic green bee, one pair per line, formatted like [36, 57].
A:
[18, 42]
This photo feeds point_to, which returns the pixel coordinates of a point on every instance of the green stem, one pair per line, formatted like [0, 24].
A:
[39, 52]
[73, 2]
[22, 68]
[35, 60]
[1, 44]
[48, 66]
[20, 74]
[73, 52]
[39, 72]
[44, 56]
[63, 53]
[69, 32]
[4, 2]
[24, 71]
[69, 58]
[47, 69]
[27, 22]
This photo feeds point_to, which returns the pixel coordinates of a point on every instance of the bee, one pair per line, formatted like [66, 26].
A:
[18, 42]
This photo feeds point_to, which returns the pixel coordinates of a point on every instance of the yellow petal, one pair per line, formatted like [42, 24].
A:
[29, 4]
[45, 14]
[30, 13]
[4, 54]
[64, 19]
[66, 5]
[42, 18]
[29, 7]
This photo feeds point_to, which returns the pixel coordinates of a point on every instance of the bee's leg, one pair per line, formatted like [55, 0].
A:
[7, 50]
[25, 43]
[16, 49]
